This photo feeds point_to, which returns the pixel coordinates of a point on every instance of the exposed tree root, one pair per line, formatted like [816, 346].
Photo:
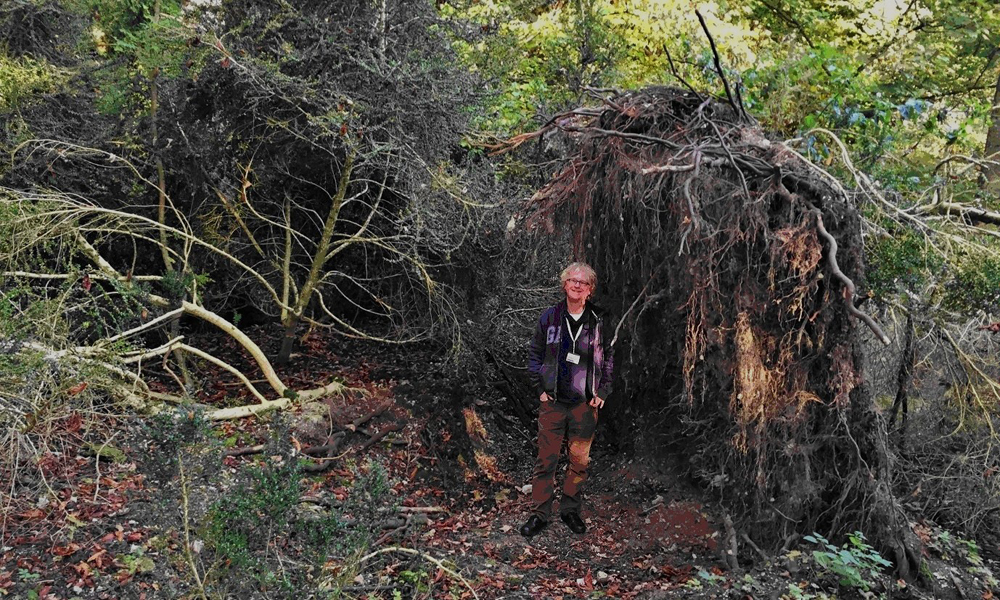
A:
[849, 289]
[733, 261]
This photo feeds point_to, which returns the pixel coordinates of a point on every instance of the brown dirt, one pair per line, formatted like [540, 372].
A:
[649, 535]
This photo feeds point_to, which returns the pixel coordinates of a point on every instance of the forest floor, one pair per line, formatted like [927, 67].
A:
[422, 498]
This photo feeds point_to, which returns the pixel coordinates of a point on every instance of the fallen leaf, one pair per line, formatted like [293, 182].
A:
[99, 558]
[65, 550]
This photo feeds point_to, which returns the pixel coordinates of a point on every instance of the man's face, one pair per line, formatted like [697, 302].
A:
[577, 286]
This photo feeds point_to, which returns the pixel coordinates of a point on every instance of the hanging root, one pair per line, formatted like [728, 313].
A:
[849, 288]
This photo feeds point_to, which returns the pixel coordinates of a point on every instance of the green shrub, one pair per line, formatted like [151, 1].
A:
[856, 564]
[242, 522]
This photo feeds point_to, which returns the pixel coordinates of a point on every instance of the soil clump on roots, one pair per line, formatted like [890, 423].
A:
[731, 261]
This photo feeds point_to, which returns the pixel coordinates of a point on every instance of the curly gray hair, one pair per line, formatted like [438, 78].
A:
[588, 272]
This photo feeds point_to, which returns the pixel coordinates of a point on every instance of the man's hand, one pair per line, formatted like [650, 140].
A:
[597, 402]
[544, 397]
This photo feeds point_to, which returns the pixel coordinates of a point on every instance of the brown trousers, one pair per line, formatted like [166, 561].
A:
[558, 422]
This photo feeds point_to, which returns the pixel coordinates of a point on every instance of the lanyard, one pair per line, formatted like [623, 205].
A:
[569, 331]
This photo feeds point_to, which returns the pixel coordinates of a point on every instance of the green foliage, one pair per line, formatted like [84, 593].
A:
[539, 60]
[710, 578]
[262, 508]
[23, 78]
[169, 429]
[240, 525]
[179, 285]
[157, 45]
[971, 550]
[975, 285]
[416, 579]
[855, 564]
[948, 545]
[138, 562]
[898, 262]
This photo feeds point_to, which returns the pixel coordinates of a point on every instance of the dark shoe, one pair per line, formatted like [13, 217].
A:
[574, 522]
[533, 526]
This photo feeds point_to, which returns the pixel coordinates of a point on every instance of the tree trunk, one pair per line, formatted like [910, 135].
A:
[321, 256]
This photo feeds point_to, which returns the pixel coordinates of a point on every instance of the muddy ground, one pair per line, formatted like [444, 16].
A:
[421, 498]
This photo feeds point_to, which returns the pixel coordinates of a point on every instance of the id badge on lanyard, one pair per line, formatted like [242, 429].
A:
[573, 357]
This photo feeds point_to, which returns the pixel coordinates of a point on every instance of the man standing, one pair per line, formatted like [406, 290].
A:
[571, 373]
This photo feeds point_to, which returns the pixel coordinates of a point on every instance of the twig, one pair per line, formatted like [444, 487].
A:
[388, 534]
[416, 509]
[413, 552]
[746, 538]
[740, 112]
[164, 317]
[97, 464]
[187, 529]
[729, 554]
[673, 69]
[332, 445]
[657, 502]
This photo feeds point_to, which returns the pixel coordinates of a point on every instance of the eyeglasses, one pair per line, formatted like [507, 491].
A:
[579, 282]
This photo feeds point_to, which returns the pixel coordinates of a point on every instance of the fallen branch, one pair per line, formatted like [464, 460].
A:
[234, 332]
[378, 437]
[257, 449]
[356, 423]
[66, 276]
[332, 445]
[239, 412]
[416, 509]
[972, 213]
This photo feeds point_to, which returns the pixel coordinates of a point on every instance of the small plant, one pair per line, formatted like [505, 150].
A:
[797, 593]
[971, 549]
[138, 563]
[856, 564]
[693, 584]
[415, 579]
[710, 578]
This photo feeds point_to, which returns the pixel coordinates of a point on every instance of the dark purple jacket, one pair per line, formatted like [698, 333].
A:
[544, 352]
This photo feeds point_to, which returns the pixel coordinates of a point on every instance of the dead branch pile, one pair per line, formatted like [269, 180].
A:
[731, 261]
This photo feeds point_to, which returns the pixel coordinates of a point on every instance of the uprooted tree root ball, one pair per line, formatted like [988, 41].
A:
[731, 261]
